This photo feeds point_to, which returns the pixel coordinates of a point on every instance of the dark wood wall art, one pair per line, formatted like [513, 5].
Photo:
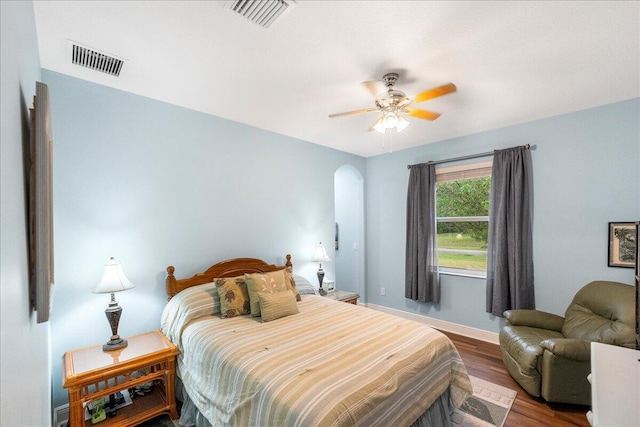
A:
[40, 210]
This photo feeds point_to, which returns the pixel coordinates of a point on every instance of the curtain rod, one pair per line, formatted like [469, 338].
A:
[471, 156]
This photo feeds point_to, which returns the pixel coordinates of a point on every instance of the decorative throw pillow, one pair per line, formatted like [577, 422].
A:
[291, 283]
[263, 282]
[276, 305]
[234, 298]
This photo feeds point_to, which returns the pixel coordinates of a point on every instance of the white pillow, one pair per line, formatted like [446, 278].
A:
[189, 304]
[304, 286]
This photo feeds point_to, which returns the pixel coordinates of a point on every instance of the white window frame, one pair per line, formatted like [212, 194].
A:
[456, 173]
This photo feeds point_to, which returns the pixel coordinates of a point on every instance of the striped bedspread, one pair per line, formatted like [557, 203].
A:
[332, 364]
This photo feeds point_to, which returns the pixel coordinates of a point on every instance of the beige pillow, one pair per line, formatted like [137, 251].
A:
[263, 282]
[234, 298]
[276, 305]
[291, 283]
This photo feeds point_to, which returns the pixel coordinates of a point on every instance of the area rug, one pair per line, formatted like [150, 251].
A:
[487, 407]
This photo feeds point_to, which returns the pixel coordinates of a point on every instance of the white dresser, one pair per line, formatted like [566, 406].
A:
[615, 386]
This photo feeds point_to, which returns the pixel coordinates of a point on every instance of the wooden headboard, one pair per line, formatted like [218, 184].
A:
[229, 268]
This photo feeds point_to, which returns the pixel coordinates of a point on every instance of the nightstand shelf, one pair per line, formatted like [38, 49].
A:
[143, 408]
[345, 296]
[91, 373]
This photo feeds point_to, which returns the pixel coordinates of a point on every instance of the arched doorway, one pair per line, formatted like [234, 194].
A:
[349, 214]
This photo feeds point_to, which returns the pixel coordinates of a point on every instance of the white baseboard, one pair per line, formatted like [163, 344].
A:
[61, 415]
[467, 331]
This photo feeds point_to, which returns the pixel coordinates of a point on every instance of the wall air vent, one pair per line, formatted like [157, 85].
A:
[89, 57]
[261, 12]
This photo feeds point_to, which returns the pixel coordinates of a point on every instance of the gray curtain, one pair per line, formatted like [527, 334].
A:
[509, 257]
[422, 281]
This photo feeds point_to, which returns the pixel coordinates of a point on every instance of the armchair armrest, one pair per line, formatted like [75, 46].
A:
[535, 319]
[570, 348]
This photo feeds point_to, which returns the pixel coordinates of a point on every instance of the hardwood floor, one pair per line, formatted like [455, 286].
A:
[483, 360]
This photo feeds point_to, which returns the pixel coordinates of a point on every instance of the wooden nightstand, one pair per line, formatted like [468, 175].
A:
[350, 297]
[91, 373]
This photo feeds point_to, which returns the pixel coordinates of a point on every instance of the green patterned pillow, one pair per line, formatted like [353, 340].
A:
[234, 298]
[263, 282]
[276, 305]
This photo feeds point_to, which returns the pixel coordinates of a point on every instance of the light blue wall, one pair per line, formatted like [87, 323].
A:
[154, 184]
[25, 390]
[585, 174]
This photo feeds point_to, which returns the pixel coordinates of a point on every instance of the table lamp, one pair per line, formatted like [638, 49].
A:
[113, 280]
[321, 256]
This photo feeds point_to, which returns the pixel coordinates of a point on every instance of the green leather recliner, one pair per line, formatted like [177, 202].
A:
[550, 355]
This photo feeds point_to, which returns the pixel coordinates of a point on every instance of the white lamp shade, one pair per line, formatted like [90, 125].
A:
[379, 126]
[390, 120]
[113, 279]
[402, 124]
[321, 254]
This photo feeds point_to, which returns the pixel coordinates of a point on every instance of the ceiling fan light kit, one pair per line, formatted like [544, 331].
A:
[390, 120]
[394, 104]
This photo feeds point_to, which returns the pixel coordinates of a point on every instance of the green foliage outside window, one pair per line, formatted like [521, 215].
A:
[463, 198]
[468, 197]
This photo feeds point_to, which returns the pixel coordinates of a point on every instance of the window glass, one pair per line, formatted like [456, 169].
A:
[462, 210]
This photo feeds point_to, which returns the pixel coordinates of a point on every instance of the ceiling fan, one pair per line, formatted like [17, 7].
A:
[394, 104]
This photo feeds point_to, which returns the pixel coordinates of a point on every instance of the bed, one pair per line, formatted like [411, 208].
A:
[322, 363]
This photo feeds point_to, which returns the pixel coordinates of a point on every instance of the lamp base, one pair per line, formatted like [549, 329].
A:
[320, 279]
[116, 344]
[113, 313]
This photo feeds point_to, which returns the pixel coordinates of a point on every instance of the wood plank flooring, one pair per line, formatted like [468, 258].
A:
[483, 360]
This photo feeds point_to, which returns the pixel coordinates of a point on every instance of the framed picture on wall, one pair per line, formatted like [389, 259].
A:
[622, 244]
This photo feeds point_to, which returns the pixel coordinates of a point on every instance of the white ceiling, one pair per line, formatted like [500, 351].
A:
[512, 62]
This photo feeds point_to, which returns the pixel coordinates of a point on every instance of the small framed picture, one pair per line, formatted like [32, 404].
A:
[622, 244]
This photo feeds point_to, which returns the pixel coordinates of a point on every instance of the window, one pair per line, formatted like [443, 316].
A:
[462, 210]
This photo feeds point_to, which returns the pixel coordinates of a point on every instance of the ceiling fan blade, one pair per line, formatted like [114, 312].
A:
[435, 92]
[375, 87]
[351, 113]
[421, 114]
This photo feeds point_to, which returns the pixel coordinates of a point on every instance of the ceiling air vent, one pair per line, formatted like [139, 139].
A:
[261, 12]
[94, 59]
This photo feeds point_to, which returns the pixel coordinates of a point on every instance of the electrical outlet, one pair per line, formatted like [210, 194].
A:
[383, 291]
